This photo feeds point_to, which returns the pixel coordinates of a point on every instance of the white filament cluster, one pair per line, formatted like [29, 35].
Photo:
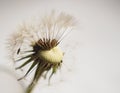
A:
[52, 26]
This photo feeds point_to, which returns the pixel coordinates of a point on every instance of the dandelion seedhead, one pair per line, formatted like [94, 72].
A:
[38, 44]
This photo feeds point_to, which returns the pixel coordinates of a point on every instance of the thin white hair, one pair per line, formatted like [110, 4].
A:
[52, 26]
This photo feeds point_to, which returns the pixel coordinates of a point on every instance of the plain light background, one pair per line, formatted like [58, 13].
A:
[92, 51]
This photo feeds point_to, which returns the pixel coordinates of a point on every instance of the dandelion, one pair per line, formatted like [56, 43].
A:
[38, 44]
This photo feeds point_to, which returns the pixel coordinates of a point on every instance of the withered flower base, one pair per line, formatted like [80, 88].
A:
[46, 55]
[42, 39]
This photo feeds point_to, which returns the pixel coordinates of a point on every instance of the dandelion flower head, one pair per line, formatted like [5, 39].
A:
[38, 44]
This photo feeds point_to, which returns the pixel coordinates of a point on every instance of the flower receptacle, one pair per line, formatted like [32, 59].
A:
[54, 55]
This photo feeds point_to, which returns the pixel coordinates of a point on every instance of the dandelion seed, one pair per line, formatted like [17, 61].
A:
[38, 44]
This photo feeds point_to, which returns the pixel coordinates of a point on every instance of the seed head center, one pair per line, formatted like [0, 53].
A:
[54, 55]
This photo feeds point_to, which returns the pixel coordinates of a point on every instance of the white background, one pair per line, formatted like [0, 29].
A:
[93, 49]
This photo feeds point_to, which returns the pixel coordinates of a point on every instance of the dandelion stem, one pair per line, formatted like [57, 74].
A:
[30, 88]
[38, 73]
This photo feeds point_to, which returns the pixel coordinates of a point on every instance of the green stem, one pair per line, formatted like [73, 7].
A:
[38, 73]
[30, 87]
